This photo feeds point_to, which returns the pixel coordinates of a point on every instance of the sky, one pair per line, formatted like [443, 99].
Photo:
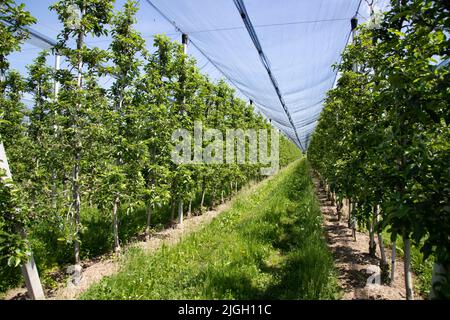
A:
[149, 23]
[302, 39]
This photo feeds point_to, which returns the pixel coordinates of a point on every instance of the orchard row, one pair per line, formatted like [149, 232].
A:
[85, 146]
[383, 140]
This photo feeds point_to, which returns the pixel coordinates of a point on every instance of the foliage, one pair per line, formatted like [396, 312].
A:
[92, 165]
[15, 214]
[268, 245]
[383, 138]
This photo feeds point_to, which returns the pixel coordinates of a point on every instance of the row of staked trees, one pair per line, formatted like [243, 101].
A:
[383, 140]
[85, 146]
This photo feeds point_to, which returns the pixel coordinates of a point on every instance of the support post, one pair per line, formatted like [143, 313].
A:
[57, 67]
[29, 269]
[354, 24]
[185, 40]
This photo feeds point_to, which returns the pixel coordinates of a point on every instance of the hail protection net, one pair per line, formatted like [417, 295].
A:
[277, 53]
[299, 40]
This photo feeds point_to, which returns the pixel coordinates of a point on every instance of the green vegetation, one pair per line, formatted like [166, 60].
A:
[383, 139]
[268, 245]
[91, 166]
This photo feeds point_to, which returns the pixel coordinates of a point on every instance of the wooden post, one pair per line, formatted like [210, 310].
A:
[29, 269]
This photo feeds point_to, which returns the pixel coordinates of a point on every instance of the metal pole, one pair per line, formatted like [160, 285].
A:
[4, 161]
[185, 40]
[57, 67]
[354, 24]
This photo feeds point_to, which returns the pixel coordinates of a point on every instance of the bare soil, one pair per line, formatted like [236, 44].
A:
[352, 260]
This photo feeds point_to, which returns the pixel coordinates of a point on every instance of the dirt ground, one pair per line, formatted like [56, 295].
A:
[352, 260]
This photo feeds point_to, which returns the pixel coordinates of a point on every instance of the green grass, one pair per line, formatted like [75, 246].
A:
[269, 245]
[52, 254]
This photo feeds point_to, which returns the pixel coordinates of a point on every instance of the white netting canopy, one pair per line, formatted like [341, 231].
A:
[278, 53]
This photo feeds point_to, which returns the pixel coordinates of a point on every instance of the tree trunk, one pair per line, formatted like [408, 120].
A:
[349, 217]
[76, 206]
[116, 225]
[180, 212]
[214, 196]
[440, 275]
[172, 211]
[372, 244]
[393, 256]
[354, 222]
[202, 202]
[53, 192]
[76, 170]
[189, 213]
[222, 200]
[384, 265]
[407, 263]
[149, 221]
[76, 276]
[339, 207]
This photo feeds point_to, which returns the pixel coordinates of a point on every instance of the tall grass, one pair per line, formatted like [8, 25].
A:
[269, 245]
